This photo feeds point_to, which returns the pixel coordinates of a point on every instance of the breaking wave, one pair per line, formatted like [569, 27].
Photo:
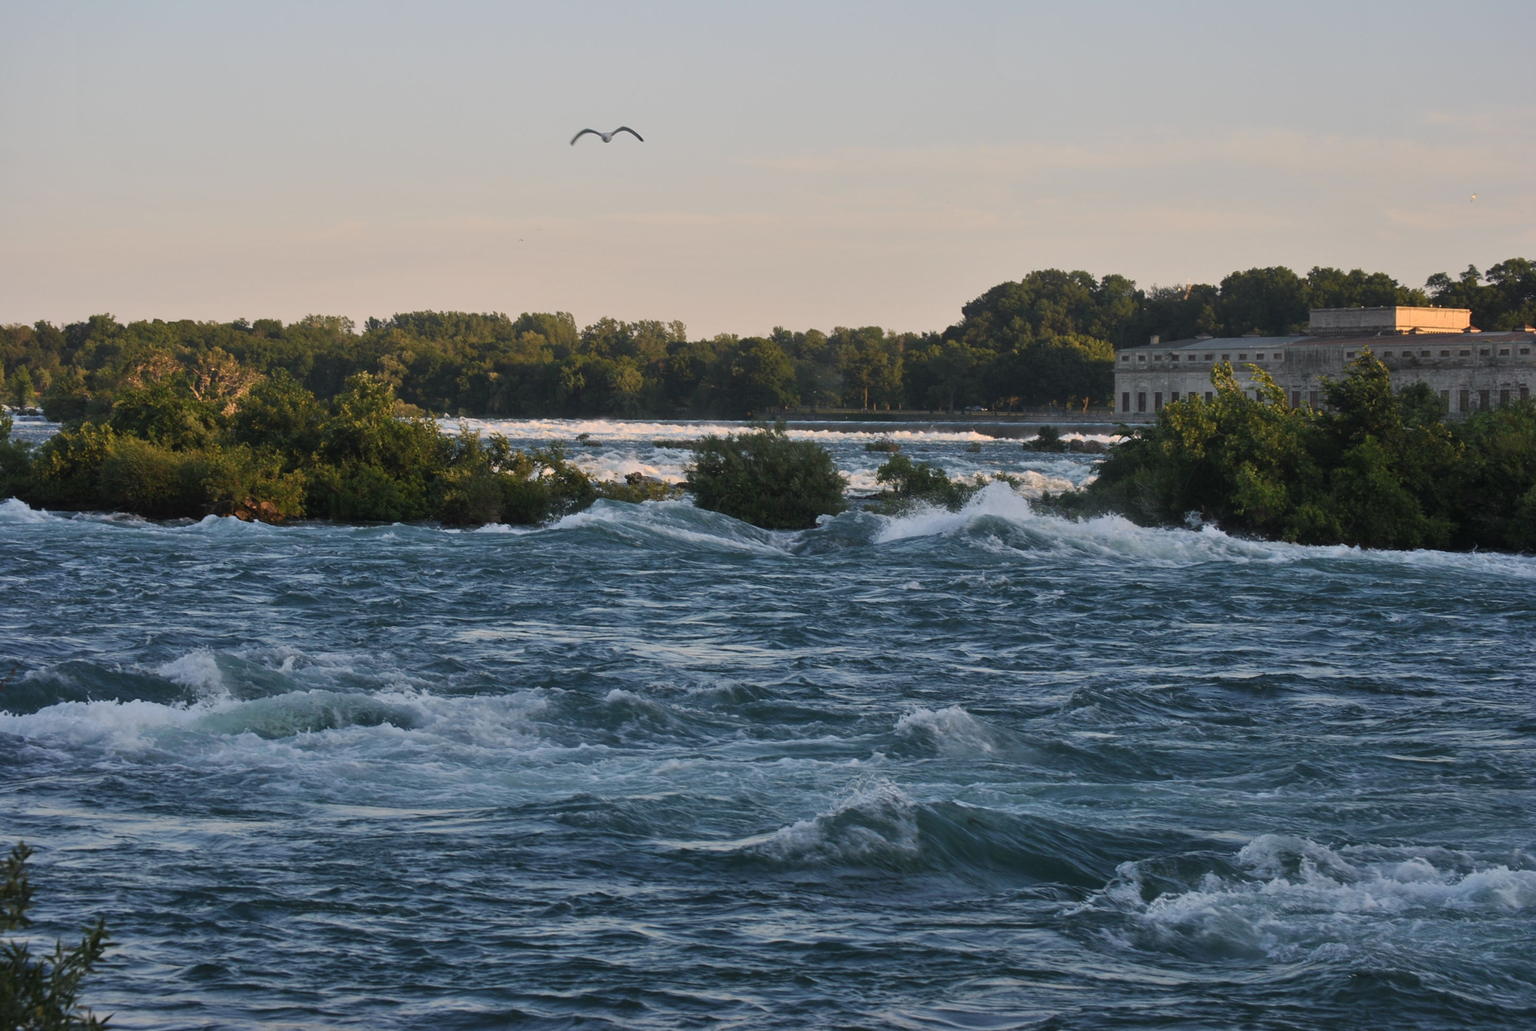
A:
[1286, 898]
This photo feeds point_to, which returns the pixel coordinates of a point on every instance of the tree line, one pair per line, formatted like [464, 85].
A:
[1045, 340]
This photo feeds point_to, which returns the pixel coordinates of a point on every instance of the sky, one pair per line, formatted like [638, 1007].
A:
[805, 165]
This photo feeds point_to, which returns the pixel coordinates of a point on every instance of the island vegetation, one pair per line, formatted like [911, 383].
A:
[315, 420]
[1374, 467]
[764, 478]
[276, 452]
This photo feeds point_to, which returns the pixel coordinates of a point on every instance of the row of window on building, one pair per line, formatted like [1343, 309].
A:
[1258, 357]
[1466, 400]
[1279, 356]
[1461, 352]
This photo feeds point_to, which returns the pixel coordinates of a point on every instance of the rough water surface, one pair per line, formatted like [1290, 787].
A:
[652, 768]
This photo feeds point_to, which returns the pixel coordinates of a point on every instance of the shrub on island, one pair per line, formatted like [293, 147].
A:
[766, 479]
[1375, 468]
[15, 460]
[279, 454]
[1046, 438]
[909, 483]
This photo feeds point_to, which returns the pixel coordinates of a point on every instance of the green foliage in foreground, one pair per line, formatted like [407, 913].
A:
[1374, 469]
[277, 453]
[766, 479]
[39, 994]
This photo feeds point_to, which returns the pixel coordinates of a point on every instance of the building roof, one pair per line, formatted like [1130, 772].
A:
[1372, 340]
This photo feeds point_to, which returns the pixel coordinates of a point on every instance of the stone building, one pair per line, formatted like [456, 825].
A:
[1470, 370]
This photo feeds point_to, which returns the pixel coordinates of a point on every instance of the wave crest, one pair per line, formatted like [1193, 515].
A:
[15, 510]
[1285, 898]
[876, 826]
[951, 731]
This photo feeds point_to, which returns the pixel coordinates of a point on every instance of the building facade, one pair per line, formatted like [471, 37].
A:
[1470, 370]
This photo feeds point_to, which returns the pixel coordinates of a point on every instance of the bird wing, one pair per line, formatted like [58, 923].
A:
[625, 128]
[583, 132]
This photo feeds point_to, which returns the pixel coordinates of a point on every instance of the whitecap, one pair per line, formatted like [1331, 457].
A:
[953, 731]
[1290, 896]
[876, 824]
[198, 670]
[684, 431]
[14, 510]
[225, 525]
[119, 726]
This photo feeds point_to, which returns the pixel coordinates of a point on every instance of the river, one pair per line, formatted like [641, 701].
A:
[649, 767]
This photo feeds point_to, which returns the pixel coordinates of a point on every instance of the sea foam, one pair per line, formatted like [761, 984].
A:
[1288, 896]
[952, 730]
[14, 510]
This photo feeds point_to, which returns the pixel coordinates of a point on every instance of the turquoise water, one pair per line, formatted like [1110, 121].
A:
[652, 768]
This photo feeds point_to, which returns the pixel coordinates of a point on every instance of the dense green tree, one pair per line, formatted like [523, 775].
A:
[15, 459]
[166, 411]
[946, 374]
[1492, 484]
[280, 414]
[766, 479]
[1038, 341]
[684, 372]
[869, 364]
[68, 398]
[1334, 288]
[1268, 301]
[1234, 460]
[1465, 291]
[754, 378]
[22, 390]
[1174, 313]
[1510, 297]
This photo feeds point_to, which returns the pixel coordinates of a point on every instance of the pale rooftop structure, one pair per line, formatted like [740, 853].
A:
[1439, 347]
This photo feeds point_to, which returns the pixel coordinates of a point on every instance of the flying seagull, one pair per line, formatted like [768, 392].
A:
[607, 137]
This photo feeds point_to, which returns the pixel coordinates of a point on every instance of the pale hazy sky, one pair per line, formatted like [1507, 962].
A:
[806, 164]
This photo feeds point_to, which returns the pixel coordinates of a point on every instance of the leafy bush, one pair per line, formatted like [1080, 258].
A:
[139, 476]
[913, 482]
[40, 994]
[66, 470]
[166, 412]
[244, 482]
[95, 467]
[361, 493]
[1494, 487]
[637, 488]
[15, 459]
[1375, 469]
[766, 479]
[279, 413]
[368, 426]
[1047, 438]
[489, 482]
